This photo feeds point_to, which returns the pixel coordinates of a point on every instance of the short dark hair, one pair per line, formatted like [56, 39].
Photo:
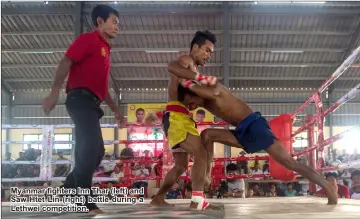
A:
[182, 92]
[231, 167]
[200, 38]
[104, 12]
[201, 112]
[355, 173]
[331, 174]
[140, 110]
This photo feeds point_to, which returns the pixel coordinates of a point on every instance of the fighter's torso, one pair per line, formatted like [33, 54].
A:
[228, 107]
[174, 83]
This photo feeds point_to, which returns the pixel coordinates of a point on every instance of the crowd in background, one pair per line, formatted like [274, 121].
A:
[149, 163]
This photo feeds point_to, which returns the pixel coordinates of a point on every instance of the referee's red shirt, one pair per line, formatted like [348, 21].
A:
[90, 53]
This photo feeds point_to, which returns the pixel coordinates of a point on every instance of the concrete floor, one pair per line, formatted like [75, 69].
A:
[252, 208]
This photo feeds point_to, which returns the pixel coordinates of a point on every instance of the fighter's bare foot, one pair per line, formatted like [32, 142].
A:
[160, 203]
[95, 212]
[332, 194]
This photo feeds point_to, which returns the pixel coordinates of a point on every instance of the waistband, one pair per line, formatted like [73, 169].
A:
[176, 106]
[86, 92]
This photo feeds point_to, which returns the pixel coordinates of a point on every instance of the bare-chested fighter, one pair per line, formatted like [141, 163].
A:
[252, 131]
[180, 129]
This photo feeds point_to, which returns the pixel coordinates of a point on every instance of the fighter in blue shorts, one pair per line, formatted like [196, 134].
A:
[252, 132]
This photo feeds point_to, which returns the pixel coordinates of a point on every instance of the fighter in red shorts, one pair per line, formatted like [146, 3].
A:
[252, 131]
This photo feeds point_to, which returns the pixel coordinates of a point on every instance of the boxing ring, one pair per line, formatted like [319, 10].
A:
[279, 207]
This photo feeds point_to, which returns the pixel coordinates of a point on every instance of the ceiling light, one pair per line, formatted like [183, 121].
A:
[161, 51]
[286, 51]
[309, 2]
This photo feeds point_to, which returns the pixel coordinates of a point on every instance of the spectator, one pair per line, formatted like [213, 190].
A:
[355, 182]
[346, 178]
[265, 168]
[256, 190]
[62, 170]
[117, 174]
[20, 174]
[236, 187]
[257, 170]
[22, 166]
[36, 173]
[174, 192]
[127, 153]
[343, 191]
[108, 167]
[272, 191]
[256, 164]
[8, 170]
[146, 160]
[290, 191]
[142, 172]
[30, 154]
[242, 165]
[8, 157]
[250, 193]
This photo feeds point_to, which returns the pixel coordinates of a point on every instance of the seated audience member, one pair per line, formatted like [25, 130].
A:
[174, 192]
[304, 187]
[117, 175]
[62, 170]
[243, 164]
[343, 191]
[355, 182]
[36, 173]
[346, 175]
[257, 170]
[256, 164]
[272, 191]
[20, 174]
[257, 191]
[265, 168]
[250, 193]
[290, 191]
[147, 160]
[141, 172]
[108, 167]
[236, 187]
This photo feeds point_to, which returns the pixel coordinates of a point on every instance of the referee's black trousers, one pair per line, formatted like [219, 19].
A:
[84, 109]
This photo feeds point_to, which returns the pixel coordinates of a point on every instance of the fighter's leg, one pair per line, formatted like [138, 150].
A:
[194, 146]
[181, 165]
[284, 158]
[211, 135]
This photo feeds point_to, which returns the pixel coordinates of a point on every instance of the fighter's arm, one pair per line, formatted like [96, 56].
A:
[206, 92]
[182, 68]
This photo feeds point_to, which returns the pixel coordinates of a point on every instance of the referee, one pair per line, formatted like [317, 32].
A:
[87, 62]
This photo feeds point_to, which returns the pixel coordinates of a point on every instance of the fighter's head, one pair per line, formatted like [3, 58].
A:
[202, 47]
[189, 98]
[106, 19]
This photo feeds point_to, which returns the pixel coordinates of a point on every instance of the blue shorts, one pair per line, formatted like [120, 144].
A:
[254, 133]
